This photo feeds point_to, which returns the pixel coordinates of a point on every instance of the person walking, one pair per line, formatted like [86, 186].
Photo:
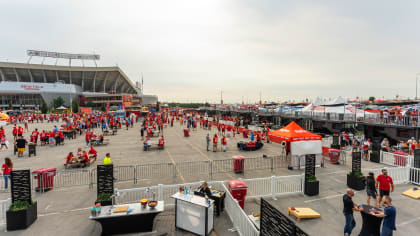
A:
[215, 139]
[385, 183]
[371, 189]
[142, 133]
[208, 141]
[389, 214]
[349, 208]
[7, 167]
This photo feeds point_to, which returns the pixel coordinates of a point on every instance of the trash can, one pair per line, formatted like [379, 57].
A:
[32, 149]
[45, 177]
[400, 158]
[238, 190]
[334, 155]
[186, 132]
[238, 164]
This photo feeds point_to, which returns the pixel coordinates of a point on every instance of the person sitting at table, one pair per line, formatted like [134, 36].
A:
[51, 138]
[79, 153]
[385, 145]
[204, 190]
[147, 144]
[161, 141]
[85, 159]
[92, 153]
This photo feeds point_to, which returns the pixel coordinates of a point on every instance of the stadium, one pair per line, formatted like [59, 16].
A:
[26, 85]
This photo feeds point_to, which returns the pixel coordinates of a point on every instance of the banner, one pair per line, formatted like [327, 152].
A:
[127, 100]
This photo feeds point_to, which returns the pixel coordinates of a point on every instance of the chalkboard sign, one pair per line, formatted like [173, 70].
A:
[356, 163]
[273, 222]
[21, 185]
[310, 165]
[335, 139]
[105, 177]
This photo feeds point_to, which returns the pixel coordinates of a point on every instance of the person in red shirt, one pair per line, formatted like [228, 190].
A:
[92, 152]
[85, 159]
[215, 140]
[35, 134]
[385, 184]
[20, 131]
[15, 130]
[52, 136]
[87, 138]
[7, 167]
[224, 143]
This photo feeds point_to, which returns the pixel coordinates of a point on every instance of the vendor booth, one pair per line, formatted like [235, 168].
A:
[298, 142]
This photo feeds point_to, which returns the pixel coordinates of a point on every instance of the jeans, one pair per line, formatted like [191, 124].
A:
[350, 223]
[386, 231]
[6, 181]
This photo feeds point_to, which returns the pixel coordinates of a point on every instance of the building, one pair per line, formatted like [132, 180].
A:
[28, 85]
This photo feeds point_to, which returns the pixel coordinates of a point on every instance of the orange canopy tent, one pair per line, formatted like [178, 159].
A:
[292, 133]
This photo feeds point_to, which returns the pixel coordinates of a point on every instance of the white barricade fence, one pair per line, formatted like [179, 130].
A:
[239, 218]
[399, 175]
[394, 159]
[273, 186]
[4, 206]
[327, 141]
[414, 175]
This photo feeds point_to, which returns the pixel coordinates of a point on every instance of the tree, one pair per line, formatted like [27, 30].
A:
[58, 102]
[90, 103]
[371, 99]
[75, 106]
[103, 107]
[44, 108]
[157, 106]
[10, 105]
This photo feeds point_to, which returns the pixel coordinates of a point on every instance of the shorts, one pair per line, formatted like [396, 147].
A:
[21, 149]
[371, 194]
[365, 151]
[383, 192]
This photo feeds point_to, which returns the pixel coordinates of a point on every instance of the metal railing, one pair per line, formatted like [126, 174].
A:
[394, 159]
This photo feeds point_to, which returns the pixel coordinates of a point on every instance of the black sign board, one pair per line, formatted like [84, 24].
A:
[21, 185]
[335, 139]
[356, 163]
[310, 165]
[105, 177]
[275, 223]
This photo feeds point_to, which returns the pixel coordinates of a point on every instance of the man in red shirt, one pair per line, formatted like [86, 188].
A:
[20, 131]
[385, 184]
[215, 139]
[224, 142]
[87, 138]
[35, 134]
[85, 159]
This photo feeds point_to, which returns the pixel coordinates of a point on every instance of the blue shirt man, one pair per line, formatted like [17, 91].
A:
[389, 214]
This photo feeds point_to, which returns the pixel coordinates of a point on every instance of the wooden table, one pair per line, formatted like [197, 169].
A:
[304, 213]
[139, 220]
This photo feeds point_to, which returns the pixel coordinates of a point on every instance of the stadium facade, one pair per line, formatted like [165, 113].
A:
[28, 85]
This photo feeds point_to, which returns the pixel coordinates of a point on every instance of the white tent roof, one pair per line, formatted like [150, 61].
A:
[338, 101]
[61, 108]
[318, 102]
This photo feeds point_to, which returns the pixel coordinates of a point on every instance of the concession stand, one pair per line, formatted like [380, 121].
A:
[193, 213]
[298, 142]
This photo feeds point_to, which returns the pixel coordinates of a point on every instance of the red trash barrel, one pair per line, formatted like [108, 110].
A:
[186, 132]
[245, 133]
[45, 177]
[238, 190]
[400, 158]
[334, 155]
[238, 164]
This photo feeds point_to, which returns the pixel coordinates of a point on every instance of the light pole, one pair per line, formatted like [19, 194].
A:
[416, 84]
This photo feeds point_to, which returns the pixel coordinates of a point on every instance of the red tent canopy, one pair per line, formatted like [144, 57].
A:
[292, 133]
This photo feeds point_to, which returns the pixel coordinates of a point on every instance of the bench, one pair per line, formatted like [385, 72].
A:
[104, 142]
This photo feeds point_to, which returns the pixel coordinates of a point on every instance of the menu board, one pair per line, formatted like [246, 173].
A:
[273, 222]
[356, 163]
[310, 165]
[105, 177]
[21, 185]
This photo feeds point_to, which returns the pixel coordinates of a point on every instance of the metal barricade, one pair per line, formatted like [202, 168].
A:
[4, 206]
[194, 168]
[257, 163]
[155, 170]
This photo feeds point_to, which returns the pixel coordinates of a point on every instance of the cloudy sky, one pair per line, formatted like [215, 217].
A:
[189, 51]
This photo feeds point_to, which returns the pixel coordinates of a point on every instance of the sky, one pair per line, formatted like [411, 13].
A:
[190, 51]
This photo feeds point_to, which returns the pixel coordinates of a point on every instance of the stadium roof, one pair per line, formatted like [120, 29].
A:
[90, 79]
